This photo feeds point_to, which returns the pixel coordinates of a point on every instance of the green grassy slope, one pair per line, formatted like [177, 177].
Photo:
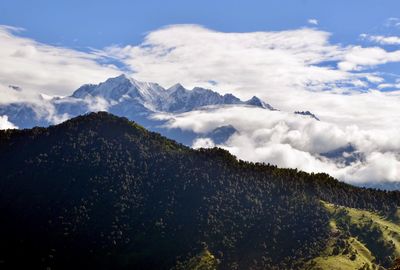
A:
[359, 239]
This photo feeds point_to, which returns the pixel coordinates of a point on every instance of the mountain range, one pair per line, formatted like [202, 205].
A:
[127, 97]
[101, 192]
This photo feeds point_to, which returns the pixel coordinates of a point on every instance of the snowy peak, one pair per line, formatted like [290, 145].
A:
[122, 88]
[181, 99]
[84, 91]
[120, 79]
[255, 101]
[112, 88]
[155, 98]
[176, 87]
[231, 99]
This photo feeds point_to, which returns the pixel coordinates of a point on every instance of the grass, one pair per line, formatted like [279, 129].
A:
[390, 230]
[353, 254]
[204, 261]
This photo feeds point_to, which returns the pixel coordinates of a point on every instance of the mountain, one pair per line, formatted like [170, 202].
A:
[127, 97]
[122, 96]
[155, 98]
[221, 134]
[384, 185]
[345, 155]
[255, 101]
[307, 113]
[102, 192]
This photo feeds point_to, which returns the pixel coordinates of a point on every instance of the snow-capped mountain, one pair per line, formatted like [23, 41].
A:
[255, 101]
[157, 99]
[119, 89]
[124, 96]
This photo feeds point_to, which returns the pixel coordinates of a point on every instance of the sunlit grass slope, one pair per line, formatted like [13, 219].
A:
[359, 239]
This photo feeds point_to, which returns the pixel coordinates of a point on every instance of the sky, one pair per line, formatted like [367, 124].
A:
[338, 59]
[83, 24]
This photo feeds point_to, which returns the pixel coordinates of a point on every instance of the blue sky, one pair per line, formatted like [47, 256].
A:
[89, 23]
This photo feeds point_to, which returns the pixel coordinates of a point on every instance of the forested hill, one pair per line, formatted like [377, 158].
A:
[101, 192]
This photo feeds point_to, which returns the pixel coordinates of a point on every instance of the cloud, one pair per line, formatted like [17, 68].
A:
[295, 141]
[5, 124]
[203, 143]
[392, 85]
[313, 21]
[192, 54]
[358, 58]
[384, 40]
[96, 104]
[40, 68]
[392, 22]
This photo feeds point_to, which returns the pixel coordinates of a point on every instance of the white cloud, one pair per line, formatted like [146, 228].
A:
[392, 22]
[203, 143]
[195, 56]
[389, 85]
[378, 166]
[5, 124]
[41, 68]
[96, 104]
[358, 58]
[384, 40]
[313, 21]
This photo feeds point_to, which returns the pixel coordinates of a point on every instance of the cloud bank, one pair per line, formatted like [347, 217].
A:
[295, 141]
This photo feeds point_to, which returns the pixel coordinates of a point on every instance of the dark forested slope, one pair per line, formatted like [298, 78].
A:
[101, 192]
